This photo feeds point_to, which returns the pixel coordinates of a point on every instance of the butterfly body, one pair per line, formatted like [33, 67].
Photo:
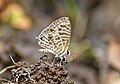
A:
[56, 37]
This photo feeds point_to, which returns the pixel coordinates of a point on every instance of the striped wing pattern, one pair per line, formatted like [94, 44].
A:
[56, 37]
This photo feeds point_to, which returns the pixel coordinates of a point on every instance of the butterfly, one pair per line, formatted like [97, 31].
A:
[55, 38]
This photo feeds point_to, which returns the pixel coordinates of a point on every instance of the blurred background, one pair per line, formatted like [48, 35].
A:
[95, 44]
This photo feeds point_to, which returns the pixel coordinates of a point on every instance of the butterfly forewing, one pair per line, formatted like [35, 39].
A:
[56, 37]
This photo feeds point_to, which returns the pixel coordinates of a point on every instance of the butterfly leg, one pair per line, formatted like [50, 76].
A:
[63, 61]
[60, 60]
[64, 58]
[57, 60]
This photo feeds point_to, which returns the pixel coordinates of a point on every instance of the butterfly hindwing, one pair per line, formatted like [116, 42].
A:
[56, 37]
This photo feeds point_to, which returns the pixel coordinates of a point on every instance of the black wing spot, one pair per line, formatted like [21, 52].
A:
[41, 38]
[57, 38]
[68, 52]
[52, 30]
[50, 43]
[50, 37]
[59, 29]
[62, 26]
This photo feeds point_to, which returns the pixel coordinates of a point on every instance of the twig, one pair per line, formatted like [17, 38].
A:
[9, 67]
